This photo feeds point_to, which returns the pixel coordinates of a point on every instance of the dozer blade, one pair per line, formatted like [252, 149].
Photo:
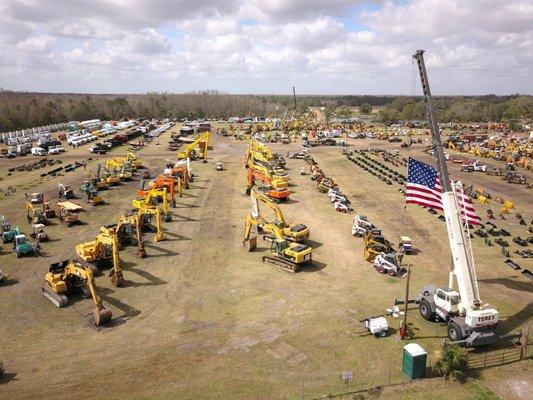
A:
[59, 300]
[285, 265]
[102, 316]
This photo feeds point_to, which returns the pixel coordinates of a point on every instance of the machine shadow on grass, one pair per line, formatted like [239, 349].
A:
[316, 266]
[183, 218]
[514, 284]
[314, 244]
[152, 279]
[176, 236]
[9, 282]
[517, 320]
[128, 312]
[7, 377]
[184, 205]
[290, 201]
[165, 252]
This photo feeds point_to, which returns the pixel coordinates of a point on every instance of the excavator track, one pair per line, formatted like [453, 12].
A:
[59, 300]
[285, 265]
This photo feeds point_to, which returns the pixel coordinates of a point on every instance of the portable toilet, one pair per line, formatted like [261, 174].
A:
[414, 361]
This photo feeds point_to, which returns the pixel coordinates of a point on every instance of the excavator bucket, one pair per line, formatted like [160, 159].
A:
[102, 316]
[117, 279]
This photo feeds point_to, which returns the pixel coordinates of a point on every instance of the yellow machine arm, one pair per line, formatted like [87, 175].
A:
[150, 199]
[260, 147]
[257, 196]
[202, 141]
[159, 236]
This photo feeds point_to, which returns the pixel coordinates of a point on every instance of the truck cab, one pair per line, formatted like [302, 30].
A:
[446, 302]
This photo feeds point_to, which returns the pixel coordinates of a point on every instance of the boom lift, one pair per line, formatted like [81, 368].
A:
[152, 199]
[293, 232]
[69, 276]
[100, 250]
[202, 141]
[286, 255]
[469, 323]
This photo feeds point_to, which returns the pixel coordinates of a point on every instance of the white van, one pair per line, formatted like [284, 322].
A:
[38, 151]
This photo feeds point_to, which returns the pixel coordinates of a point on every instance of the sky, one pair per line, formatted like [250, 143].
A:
[266, 46]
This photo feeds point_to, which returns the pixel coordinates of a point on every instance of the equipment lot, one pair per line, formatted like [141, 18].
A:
[202, 318]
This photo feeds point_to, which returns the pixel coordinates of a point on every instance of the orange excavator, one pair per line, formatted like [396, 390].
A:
[275, 189]
[172, 184]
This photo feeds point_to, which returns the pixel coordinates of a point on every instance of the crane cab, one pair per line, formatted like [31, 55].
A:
[447, 303]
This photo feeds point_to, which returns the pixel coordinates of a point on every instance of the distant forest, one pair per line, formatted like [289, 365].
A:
[19, 110]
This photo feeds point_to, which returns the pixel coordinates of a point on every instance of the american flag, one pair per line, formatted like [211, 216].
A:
[423, 187]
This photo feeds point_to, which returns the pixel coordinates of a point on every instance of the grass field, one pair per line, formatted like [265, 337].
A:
[201, 318]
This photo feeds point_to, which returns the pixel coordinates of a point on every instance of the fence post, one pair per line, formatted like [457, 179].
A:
[503, 355]
[485, 361]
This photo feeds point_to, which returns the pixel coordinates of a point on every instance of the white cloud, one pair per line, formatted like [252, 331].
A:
[331, 46]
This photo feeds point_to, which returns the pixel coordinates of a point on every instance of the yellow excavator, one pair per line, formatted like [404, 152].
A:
[292, 232]
[266, 169]
[122, 169]
[202, 141]
[35, 215]
[129, 232]
[69, 276]
[286, 255]
[265, 153]
[107, 177]
[258, 157]
[152, 198]
[145, 219]
[101, 250]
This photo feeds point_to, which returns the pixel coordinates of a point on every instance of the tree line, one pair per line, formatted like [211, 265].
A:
[19, 110]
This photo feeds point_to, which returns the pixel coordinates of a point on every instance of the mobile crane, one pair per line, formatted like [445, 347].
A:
[152, 198]
[202, 141]
[69, 276]
[286, 255]
[100, 250]
[469, 322]
[292, 232]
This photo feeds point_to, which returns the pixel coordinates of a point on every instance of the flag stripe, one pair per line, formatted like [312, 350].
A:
[423, 188]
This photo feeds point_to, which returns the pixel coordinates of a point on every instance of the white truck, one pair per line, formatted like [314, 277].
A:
[38, 151]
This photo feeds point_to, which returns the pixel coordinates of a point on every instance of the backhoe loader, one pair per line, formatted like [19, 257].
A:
[35, 215]
[152, 199]
[67, 277]
[101, 250]
[292, 232]
[202, 141]
[277, 190]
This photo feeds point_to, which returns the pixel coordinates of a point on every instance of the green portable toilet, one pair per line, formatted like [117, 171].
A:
[414, 361]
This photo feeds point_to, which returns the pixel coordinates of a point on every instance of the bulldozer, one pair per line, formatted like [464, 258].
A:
[289, 256]
[101, 250]
[292, 232]
[152, 198]
[67, 277]
[375, 244]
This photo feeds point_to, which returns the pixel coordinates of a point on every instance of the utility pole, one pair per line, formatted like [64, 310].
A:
[403, 325]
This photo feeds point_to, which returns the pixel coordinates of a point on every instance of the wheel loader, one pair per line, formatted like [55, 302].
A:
[67, 277]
